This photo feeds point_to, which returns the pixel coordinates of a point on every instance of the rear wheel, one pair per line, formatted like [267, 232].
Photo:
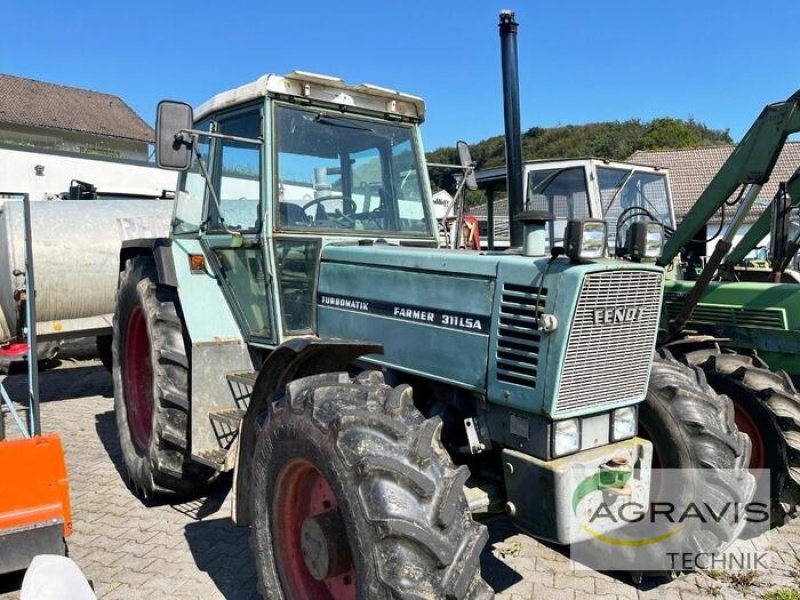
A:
[151, 375]
[692, 427]
[768, 410]
[354, 496]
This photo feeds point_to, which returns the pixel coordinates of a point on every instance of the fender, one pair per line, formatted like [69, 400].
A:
[161, 251]
[299, 357]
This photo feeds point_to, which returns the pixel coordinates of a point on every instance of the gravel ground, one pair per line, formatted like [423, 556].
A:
[193, 551]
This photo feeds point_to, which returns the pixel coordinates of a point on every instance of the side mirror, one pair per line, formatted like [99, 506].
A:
[465, 158]
[173, 149]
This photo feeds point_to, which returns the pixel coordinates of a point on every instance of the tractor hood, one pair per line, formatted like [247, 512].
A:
[561, 340]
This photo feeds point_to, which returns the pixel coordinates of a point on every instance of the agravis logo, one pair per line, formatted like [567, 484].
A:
[660, 519]
[602, 482]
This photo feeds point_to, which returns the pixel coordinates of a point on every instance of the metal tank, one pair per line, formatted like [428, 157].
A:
[76, 246]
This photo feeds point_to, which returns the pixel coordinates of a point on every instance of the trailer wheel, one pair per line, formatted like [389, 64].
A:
[768, 410]
[354, 496]
[692, 427]
[151, 375]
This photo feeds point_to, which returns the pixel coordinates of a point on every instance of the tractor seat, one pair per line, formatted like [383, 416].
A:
[292, 214]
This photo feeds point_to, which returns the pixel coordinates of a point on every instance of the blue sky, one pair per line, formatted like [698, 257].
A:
[717, 61]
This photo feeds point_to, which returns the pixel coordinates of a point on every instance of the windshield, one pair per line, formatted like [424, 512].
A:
[344, 173]
[641, 195]
[562, 192]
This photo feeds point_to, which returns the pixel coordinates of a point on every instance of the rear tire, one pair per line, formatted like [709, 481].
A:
[151, 385]
[692, 427]
[768, 410]
[390, 486]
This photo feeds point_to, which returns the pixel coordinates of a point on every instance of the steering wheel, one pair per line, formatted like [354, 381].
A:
[349, 203]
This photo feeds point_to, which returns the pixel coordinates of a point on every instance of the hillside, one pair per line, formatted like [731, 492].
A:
[613, 139]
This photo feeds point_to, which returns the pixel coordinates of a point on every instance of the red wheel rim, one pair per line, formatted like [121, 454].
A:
[302, 493]
[746, 424]
[138, 379]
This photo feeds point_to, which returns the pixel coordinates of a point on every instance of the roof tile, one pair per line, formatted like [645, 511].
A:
[40, 104]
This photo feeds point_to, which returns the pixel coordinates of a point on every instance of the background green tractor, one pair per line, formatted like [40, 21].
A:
[735, 323]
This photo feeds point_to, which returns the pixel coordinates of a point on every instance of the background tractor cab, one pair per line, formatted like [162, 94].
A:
[619, 193]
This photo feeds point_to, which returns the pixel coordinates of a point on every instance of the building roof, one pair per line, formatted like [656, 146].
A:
[691, 170]
[49, 105]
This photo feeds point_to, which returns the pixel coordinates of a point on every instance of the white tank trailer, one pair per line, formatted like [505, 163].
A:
[76, 246]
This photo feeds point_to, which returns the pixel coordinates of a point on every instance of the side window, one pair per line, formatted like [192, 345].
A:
[297, 266]
[191, 192]
[237, 173]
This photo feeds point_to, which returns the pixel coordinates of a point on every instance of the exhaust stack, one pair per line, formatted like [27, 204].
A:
[508, 58]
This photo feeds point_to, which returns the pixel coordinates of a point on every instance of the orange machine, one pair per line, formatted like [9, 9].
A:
[35, 514]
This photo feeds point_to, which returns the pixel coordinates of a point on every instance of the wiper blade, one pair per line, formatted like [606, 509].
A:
[340, 122]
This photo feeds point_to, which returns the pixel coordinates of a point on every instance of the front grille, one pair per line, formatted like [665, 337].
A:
[768, 318]
[517, 334]
[608, 358]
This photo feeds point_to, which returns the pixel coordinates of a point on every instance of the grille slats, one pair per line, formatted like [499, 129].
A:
[608, 362]
[517, 335]
[772, 318]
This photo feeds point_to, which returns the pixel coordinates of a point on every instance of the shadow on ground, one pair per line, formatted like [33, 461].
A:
[11, 582]
[222, 550]
[63, 384]
[501, 577]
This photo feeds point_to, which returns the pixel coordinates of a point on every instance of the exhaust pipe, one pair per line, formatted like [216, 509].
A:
[508, 58]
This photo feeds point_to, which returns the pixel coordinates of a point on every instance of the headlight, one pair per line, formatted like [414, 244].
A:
[623, 423]
[586, 238]
[645, 239]
[566, 437]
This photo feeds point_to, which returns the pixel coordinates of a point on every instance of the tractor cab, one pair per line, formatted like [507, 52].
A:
[619, 193]
[284, 166]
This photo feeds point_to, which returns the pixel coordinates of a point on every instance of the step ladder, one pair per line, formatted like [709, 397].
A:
[226, 421]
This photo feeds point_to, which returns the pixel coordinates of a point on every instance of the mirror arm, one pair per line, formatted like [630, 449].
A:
[211, 189]
[196, 133]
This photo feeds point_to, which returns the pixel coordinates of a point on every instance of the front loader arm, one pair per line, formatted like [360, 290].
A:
[762, 226]
[752, 162]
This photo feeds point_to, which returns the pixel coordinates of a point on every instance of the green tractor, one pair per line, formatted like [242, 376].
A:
[740, 325]
[371, 392]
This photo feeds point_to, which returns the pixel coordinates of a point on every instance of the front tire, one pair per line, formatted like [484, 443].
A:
[151, 383]
[692, 428]
[768, 410]
[354, 496]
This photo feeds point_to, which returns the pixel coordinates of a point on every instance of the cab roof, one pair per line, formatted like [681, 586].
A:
[322, 88]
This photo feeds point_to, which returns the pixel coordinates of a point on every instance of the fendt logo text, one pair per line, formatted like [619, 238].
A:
[622, 314]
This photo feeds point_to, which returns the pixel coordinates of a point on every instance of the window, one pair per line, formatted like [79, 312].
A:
[297, 264]
[237, 174]
[339, 173]
[641, 195]
[562, 192]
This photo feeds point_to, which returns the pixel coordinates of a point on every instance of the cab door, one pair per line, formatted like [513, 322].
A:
[233, 229]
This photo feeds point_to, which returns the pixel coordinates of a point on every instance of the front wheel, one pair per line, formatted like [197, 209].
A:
[768, 410]
[692, 428]
[354, 496]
